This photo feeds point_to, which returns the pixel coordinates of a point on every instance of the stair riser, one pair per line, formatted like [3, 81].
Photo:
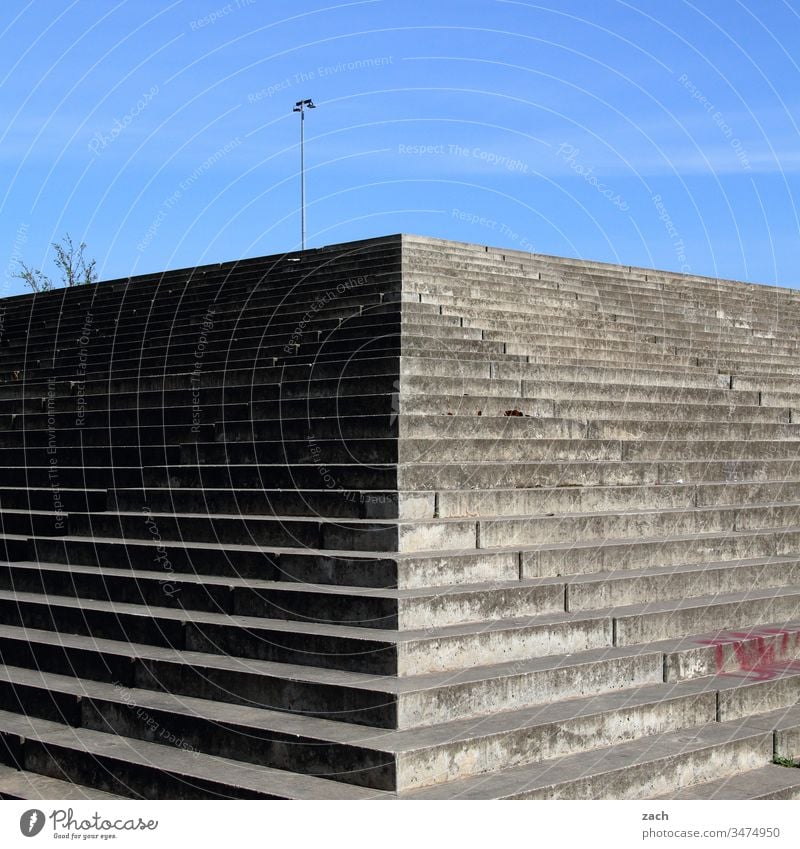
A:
[674, 772]
[761, 696]
[217, 403]
[764, 651]
[680, 585]
[522, 689]
[442, 654]
[355, 764]
[564, 529]
[123, 716]
[611, 557]
[352, 504]
[175, 558]
[340, 703]
[649, 627]
[552, 740]
[42, 499]
[330, 652]
[114, 774]
[288, 533]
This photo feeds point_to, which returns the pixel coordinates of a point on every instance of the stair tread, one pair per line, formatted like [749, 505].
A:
[648, 750]
[21, 784]
[681, 568]
[392, 740]
[411, 635]
[191, 764]
[321, 675]
[768, 782]
[438, 591]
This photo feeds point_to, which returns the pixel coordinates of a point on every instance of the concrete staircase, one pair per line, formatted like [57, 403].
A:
[400, 517]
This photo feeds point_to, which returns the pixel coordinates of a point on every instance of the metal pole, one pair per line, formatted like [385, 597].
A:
[302, 181]
[301, 107]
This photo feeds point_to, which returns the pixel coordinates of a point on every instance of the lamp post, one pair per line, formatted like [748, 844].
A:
[301, 107]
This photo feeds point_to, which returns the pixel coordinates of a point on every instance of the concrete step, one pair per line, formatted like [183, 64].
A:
[363, 699]
[516, 425]
[659, 620]
[128, 338]
[281, 531]
[320, 472]
[346, 647]
[787, 732]
[499, 475]
[768, 782]
[546, 733]
[405, 609]
[344, 696]
[361, 569]
[145, 363]
[639, 769]
[64, 324]
[140, 769]
[633, 523]
[55, 439]
[306, 450]
[576, 558]
[215, 403]
[585, 499]
[19, 784]
[340, 385]
[569, 391]
[385, 760]
[639, 586]
[763, 652]
[499, 449]
[44, 499]
[341, 503]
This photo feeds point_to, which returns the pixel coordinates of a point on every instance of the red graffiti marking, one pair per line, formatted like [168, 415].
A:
[760, 654]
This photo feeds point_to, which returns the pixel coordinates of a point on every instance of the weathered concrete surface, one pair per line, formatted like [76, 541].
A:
[400, 518]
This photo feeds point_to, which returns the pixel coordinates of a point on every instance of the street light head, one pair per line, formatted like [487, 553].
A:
[310, 104]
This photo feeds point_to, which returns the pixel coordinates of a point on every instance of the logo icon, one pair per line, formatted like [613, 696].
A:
[31, 822]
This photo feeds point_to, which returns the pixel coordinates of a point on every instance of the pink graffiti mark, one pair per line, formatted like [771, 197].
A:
[760, 654]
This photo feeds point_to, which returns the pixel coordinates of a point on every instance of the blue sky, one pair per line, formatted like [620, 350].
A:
[161, 133]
